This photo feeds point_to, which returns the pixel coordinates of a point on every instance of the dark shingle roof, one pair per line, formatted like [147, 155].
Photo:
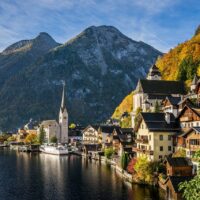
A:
[161, 87]
[108, 129]
[176, 180]
[177, 162]
[174, 100]
[156, 96]
[157, 122]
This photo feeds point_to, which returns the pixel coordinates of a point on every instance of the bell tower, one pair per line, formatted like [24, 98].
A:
[154, 73]
[63, 119]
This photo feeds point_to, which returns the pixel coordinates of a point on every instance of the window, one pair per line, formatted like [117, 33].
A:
[161, 137]
[149, 137]
[169, 148]
[161, 148]
[169, 137]
[160, 157]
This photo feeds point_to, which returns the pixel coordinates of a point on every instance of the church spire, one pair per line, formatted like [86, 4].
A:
[62, 107]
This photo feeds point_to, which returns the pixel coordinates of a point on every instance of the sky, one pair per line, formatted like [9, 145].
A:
[160, 23]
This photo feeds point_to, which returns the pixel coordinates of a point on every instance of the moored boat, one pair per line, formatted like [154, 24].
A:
[54, 150]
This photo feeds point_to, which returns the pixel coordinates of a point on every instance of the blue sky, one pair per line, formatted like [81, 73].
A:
[160, 23]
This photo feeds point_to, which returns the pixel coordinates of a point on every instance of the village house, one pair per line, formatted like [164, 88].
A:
[155, 133]
[121, 140]
[178, 166]
[91, 135]
[170, 105]
[190, 140]
[172, 187]
[153, 91]
[189, 116]
[91, 140]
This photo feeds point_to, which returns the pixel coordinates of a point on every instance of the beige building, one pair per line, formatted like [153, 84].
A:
[155, 133]
[51, 129]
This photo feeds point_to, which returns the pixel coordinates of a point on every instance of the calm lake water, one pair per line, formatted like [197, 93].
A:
[46, 177]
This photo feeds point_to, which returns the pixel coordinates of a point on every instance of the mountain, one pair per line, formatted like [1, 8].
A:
[180, 63]
[21, 54]
[100, 66]
[183, 61]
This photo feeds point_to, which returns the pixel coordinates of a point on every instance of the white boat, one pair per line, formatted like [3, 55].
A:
[55, 150]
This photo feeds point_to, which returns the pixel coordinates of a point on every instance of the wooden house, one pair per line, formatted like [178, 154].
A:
[178, 166]
[189, 116]
[172, 187]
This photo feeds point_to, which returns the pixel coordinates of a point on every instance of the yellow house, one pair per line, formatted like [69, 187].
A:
[155, 133]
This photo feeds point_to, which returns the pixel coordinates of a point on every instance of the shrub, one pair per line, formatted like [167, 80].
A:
[108, 152]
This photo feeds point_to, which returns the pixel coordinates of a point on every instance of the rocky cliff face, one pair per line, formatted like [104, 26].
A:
[100, 66]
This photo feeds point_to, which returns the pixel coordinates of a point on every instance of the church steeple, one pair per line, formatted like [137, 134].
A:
[63, 106]
[154, 73]
[63, 119]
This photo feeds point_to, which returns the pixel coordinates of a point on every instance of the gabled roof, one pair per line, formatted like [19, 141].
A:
[174, 100]
[193, 108]
[177, 162]
[95, 127]
[176, 180]
[126, 130]
[196, 129]
[108, 129]
[157, 122]
[161, 87]
[154, 71]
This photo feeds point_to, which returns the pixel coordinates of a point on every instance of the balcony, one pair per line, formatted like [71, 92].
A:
[144, 151]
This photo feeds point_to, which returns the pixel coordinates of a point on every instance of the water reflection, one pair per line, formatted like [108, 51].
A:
[47, 177]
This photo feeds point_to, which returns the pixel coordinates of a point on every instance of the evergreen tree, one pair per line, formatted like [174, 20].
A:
[187, 69]
[124, 161]
[41, 136]
[53, 139]
[157, 107]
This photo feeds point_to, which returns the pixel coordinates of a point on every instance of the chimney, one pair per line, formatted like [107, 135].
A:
[167, 117]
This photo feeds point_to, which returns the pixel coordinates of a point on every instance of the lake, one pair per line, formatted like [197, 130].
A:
[26, 176]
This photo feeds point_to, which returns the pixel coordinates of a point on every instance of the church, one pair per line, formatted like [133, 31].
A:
[153, 90]
[56, 129]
